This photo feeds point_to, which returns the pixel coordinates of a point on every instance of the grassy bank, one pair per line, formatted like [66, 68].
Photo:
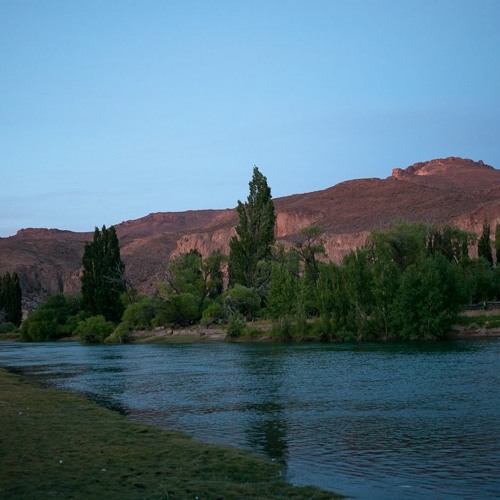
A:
[57, 444]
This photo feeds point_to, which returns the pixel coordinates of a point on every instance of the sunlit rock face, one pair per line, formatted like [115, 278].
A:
[452, 190]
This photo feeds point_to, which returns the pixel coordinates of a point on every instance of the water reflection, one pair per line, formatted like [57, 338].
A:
[269, 434]
[267, 431]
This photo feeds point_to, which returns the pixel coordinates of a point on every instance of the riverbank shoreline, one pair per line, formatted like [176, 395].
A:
[204, 335]
[59, 444]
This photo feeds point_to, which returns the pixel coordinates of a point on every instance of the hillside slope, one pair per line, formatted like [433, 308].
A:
[461, 192]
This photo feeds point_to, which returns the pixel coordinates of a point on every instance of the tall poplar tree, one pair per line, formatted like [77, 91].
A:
[484, 244]
[497, 244]
[254, 234]
[10, 298]
[103, 275]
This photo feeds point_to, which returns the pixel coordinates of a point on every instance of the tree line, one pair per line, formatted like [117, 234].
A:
[409, 281]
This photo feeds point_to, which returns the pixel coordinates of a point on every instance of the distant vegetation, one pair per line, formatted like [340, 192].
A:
[409, 281]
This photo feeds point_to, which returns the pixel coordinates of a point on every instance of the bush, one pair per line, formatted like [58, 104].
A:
[236, 325]
[8, 327]
[140, 314]
[121, 335]
[243, 300]
[213, 313]
[183, 309]
[94, 329]
[52, 320]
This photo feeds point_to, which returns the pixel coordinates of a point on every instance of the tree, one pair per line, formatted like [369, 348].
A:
[56, 318]
[357, 280]
[484, 244]
[189, 281]
[282, 297]
[241, 300]
[10, 298]
[332, 301]
[254, 235]
[402, 243]
[497, 243]
[429, 299]
[94, 329]
[451, 242]
[103, 276]
[308, 248]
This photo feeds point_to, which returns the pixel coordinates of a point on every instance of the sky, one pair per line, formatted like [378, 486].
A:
[111, 110]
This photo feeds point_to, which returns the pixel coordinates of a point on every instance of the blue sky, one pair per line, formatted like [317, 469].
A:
[110, 110]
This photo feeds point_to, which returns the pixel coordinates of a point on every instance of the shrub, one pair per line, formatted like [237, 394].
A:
[236, 325]
[213, 313]
[121, 335]
[52, 320]
[243, 300]
[7, 327]
[183, 309]
[140, 315]
[94, 329]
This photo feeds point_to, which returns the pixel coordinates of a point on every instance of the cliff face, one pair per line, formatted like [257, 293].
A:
[461, 192]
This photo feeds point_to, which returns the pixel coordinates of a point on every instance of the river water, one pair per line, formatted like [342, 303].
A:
[372, 421]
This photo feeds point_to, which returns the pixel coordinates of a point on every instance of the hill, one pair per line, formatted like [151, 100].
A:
[456, 191]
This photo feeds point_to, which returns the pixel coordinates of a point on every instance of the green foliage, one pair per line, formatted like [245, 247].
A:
[140, 314]
[450, 242]
[94, 329]
[243, 300]
[308, 248]
[184, 309]
[213, 313]
[236, 325]
[120, 335]
[333, 304]
[479, 282]
[7, 327]
[497, 244]
[282, 297]
[103, 279]
[53, 320]
[487, 321]
[191, 280]
[484, 245]
[254, 234]
[429, 299]
[403, 244]
[357, 302]
[10, 299]
[408, 282]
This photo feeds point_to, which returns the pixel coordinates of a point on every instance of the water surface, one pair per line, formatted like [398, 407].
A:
[367, 420]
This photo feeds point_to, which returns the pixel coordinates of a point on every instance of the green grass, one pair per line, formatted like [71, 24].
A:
[60, 445]
[492, 321]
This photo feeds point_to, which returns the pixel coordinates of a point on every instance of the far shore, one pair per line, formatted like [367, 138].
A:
[218, 334]
[261, 332]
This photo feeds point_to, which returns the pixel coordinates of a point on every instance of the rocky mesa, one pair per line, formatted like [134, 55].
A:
[452, 190]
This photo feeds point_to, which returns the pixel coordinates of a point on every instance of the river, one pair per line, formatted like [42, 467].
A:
[369, 420]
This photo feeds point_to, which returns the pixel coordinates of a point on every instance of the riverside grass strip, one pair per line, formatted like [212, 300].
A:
[55, 444]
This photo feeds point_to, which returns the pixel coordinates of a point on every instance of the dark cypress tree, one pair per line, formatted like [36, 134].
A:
[11, 298]
[103, 279]
[484, 245]
[497, 243]
[254, 233]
